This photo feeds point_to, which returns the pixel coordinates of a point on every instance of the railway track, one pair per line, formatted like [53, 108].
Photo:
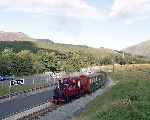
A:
[37, 114]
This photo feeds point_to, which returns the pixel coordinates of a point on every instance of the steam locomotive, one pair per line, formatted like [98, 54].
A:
[70, 88]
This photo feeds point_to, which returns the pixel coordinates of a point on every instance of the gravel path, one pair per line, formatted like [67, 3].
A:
[68, 111]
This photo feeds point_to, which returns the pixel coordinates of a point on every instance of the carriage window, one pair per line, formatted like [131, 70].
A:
[66, 85]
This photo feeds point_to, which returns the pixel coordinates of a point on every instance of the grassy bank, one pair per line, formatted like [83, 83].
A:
[129, 99]
[5, 90]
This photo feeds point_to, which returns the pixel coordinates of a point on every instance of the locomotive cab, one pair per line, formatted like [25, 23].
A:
[66, 89]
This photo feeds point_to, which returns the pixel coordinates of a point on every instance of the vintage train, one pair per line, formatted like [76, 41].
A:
[73, 87]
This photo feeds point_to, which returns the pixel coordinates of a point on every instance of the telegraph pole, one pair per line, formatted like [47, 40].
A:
[10, 90]
[113, 65]
[123, 54]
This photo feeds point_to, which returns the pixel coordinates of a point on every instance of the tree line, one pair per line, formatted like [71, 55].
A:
[26, 62]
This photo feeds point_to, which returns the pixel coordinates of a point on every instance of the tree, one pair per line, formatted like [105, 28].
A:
[23, 64]
[6, 59]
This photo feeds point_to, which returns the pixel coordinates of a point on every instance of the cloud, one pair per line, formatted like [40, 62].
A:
[124, 7]
[130, 10]
[73, 8]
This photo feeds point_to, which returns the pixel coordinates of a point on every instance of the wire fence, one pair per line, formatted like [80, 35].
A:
[31, 84]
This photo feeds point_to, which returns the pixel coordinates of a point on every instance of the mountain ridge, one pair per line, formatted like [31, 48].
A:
[23, 41]
[14, 36]
[142, 49]
[20, 41]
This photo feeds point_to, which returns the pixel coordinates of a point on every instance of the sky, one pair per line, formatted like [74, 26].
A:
[114, 24]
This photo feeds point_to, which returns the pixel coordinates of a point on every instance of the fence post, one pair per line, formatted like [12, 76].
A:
[10, 91]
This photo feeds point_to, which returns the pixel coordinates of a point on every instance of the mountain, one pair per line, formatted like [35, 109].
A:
[142, 49]
[14, 36]
[19, 41]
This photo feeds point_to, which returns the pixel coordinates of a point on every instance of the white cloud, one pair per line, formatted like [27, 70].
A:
[131, 10]
[122, 7]
[75, 8]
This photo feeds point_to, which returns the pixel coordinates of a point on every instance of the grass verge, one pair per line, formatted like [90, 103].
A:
[5, 90]
[129, 99]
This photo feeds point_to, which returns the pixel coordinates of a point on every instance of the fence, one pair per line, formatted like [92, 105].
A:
[27, 112]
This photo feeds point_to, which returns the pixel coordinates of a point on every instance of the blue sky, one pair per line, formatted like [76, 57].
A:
[112, 24]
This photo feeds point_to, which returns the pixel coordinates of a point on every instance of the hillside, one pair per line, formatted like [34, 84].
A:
[47, 41]
[19, 41]
[142, 49]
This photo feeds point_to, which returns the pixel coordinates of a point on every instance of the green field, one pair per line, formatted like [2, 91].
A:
[129, 99]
